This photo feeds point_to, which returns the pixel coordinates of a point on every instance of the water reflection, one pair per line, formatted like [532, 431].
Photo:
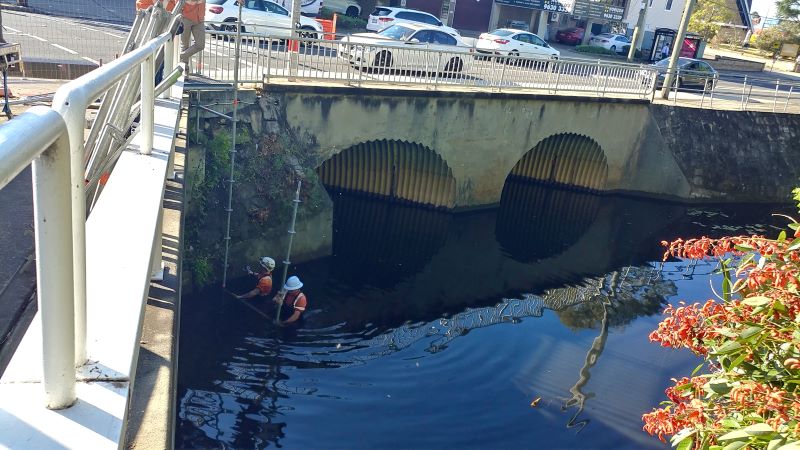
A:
[427, 320]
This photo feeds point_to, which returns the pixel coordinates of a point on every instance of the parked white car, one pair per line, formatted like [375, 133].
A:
[511, 42]
[398, 47]
[308, 8]
[258, 16]
[613, 42]
[347, 7]
[384, 16]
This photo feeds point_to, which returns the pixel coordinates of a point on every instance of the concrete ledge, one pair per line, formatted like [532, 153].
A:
[53, 70]
[317, 87]
[735, 64]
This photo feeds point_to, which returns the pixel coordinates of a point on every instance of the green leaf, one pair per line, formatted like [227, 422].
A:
[758, 429]
[757, 301]
[735, 363]
[697, 369]
[720, 386]
[728, 347]
[794, 445]
[775, 442]
[750, 332]
[794, 245]
[782, 236]
[681, 437]
[685, 444]
[735, 445]
[730, 423]
[735, 435]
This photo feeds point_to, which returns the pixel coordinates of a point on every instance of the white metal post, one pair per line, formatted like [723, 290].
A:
[169, 64]
[788, 98]
[75, 118]
[49, 150]
[775, 99]
[156, 265]
[147, 119]
[51, 178]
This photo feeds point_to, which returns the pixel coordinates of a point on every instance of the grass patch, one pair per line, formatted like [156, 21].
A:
[591, 49]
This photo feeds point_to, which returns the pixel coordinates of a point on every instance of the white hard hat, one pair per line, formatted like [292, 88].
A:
[267, 263]
[293, 283]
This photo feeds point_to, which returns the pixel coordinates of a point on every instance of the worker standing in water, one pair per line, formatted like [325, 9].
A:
[294, 302]
[264, 277]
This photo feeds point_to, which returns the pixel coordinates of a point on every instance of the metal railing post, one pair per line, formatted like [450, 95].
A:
[51, 176]
[74, 117]
[147, 119]
[169, 64]
[775, 99]
[436, 69]
[40, 136]
[744, 90]
[502, 76]
[788, 97]
[156, 267]
[677, 81]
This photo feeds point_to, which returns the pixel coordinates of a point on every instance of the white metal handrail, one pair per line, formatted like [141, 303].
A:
[71, 101]
[53, 138]
[40, 136]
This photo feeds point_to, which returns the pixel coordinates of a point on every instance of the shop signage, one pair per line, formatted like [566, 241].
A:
[598, 10]
[564, 6]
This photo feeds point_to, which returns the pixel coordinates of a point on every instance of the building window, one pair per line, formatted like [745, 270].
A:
[669, 5]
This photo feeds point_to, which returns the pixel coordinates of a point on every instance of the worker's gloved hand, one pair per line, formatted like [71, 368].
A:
[249, 270]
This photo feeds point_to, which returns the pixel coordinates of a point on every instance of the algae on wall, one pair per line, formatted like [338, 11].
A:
[267, 168]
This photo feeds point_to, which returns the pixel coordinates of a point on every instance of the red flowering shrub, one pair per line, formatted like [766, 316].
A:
[750, 397]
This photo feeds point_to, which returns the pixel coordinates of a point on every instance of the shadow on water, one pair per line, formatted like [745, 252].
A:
[417, 302]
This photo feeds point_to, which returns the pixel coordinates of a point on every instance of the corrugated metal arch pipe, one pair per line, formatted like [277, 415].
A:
[565, 159]
[392, 169]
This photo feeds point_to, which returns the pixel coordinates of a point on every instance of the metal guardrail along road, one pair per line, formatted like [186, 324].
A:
[266, 58]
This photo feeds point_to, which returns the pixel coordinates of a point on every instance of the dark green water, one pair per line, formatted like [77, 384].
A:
[432, 330]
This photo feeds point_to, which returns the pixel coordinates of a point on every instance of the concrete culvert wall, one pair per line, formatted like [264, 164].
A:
[565, 159]
[391, 169]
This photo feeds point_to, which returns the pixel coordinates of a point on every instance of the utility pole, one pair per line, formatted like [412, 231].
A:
[294, 44]
[677, 45]
[638, 32]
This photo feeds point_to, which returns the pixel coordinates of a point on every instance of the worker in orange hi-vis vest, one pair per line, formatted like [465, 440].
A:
[294, 302]
[264, 277]
[144, 4]
[194, 13]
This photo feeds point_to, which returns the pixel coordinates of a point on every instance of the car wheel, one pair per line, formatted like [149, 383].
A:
[230, 26]
[308, 33]
[352, 11]
[382, 61]
[455, 65]
[613, 48]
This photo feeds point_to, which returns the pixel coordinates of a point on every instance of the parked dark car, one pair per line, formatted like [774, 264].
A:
[691, 72]
[572, 36]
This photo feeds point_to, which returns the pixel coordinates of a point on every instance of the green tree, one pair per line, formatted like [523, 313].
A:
[707, 16]
[770, 39]
[788, 9]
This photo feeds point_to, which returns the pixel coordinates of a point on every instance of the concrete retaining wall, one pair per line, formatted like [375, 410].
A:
[734, 64]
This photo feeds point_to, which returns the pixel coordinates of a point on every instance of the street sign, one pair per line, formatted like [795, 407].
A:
[564, 6]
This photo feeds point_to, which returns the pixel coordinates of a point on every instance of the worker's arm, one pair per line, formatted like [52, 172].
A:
[293, 318]
[250, 294]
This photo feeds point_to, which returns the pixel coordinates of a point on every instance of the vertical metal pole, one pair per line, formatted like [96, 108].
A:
[269, 59]
[502, 76]
[51, 200]
[147, 119]
[744, 90]
[677, 45]
[775, 99]
[788, 97]
[169, 64]
[287, 261]
[294, 54]
[235, 118]
[74, 115]
[638, 32]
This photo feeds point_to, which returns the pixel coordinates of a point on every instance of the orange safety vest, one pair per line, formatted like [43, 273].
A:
[144, 4]
[194, 10]
[296, 300]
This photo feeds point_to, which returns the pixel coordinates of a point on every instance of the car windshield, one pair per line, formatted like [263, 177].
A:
[502, 33]
[398, 32]
[215, 2]
[681, 62]
[381, 12]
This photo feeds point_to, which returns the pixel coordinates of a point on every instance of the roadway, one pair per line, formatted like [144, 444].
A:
[46, 38]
